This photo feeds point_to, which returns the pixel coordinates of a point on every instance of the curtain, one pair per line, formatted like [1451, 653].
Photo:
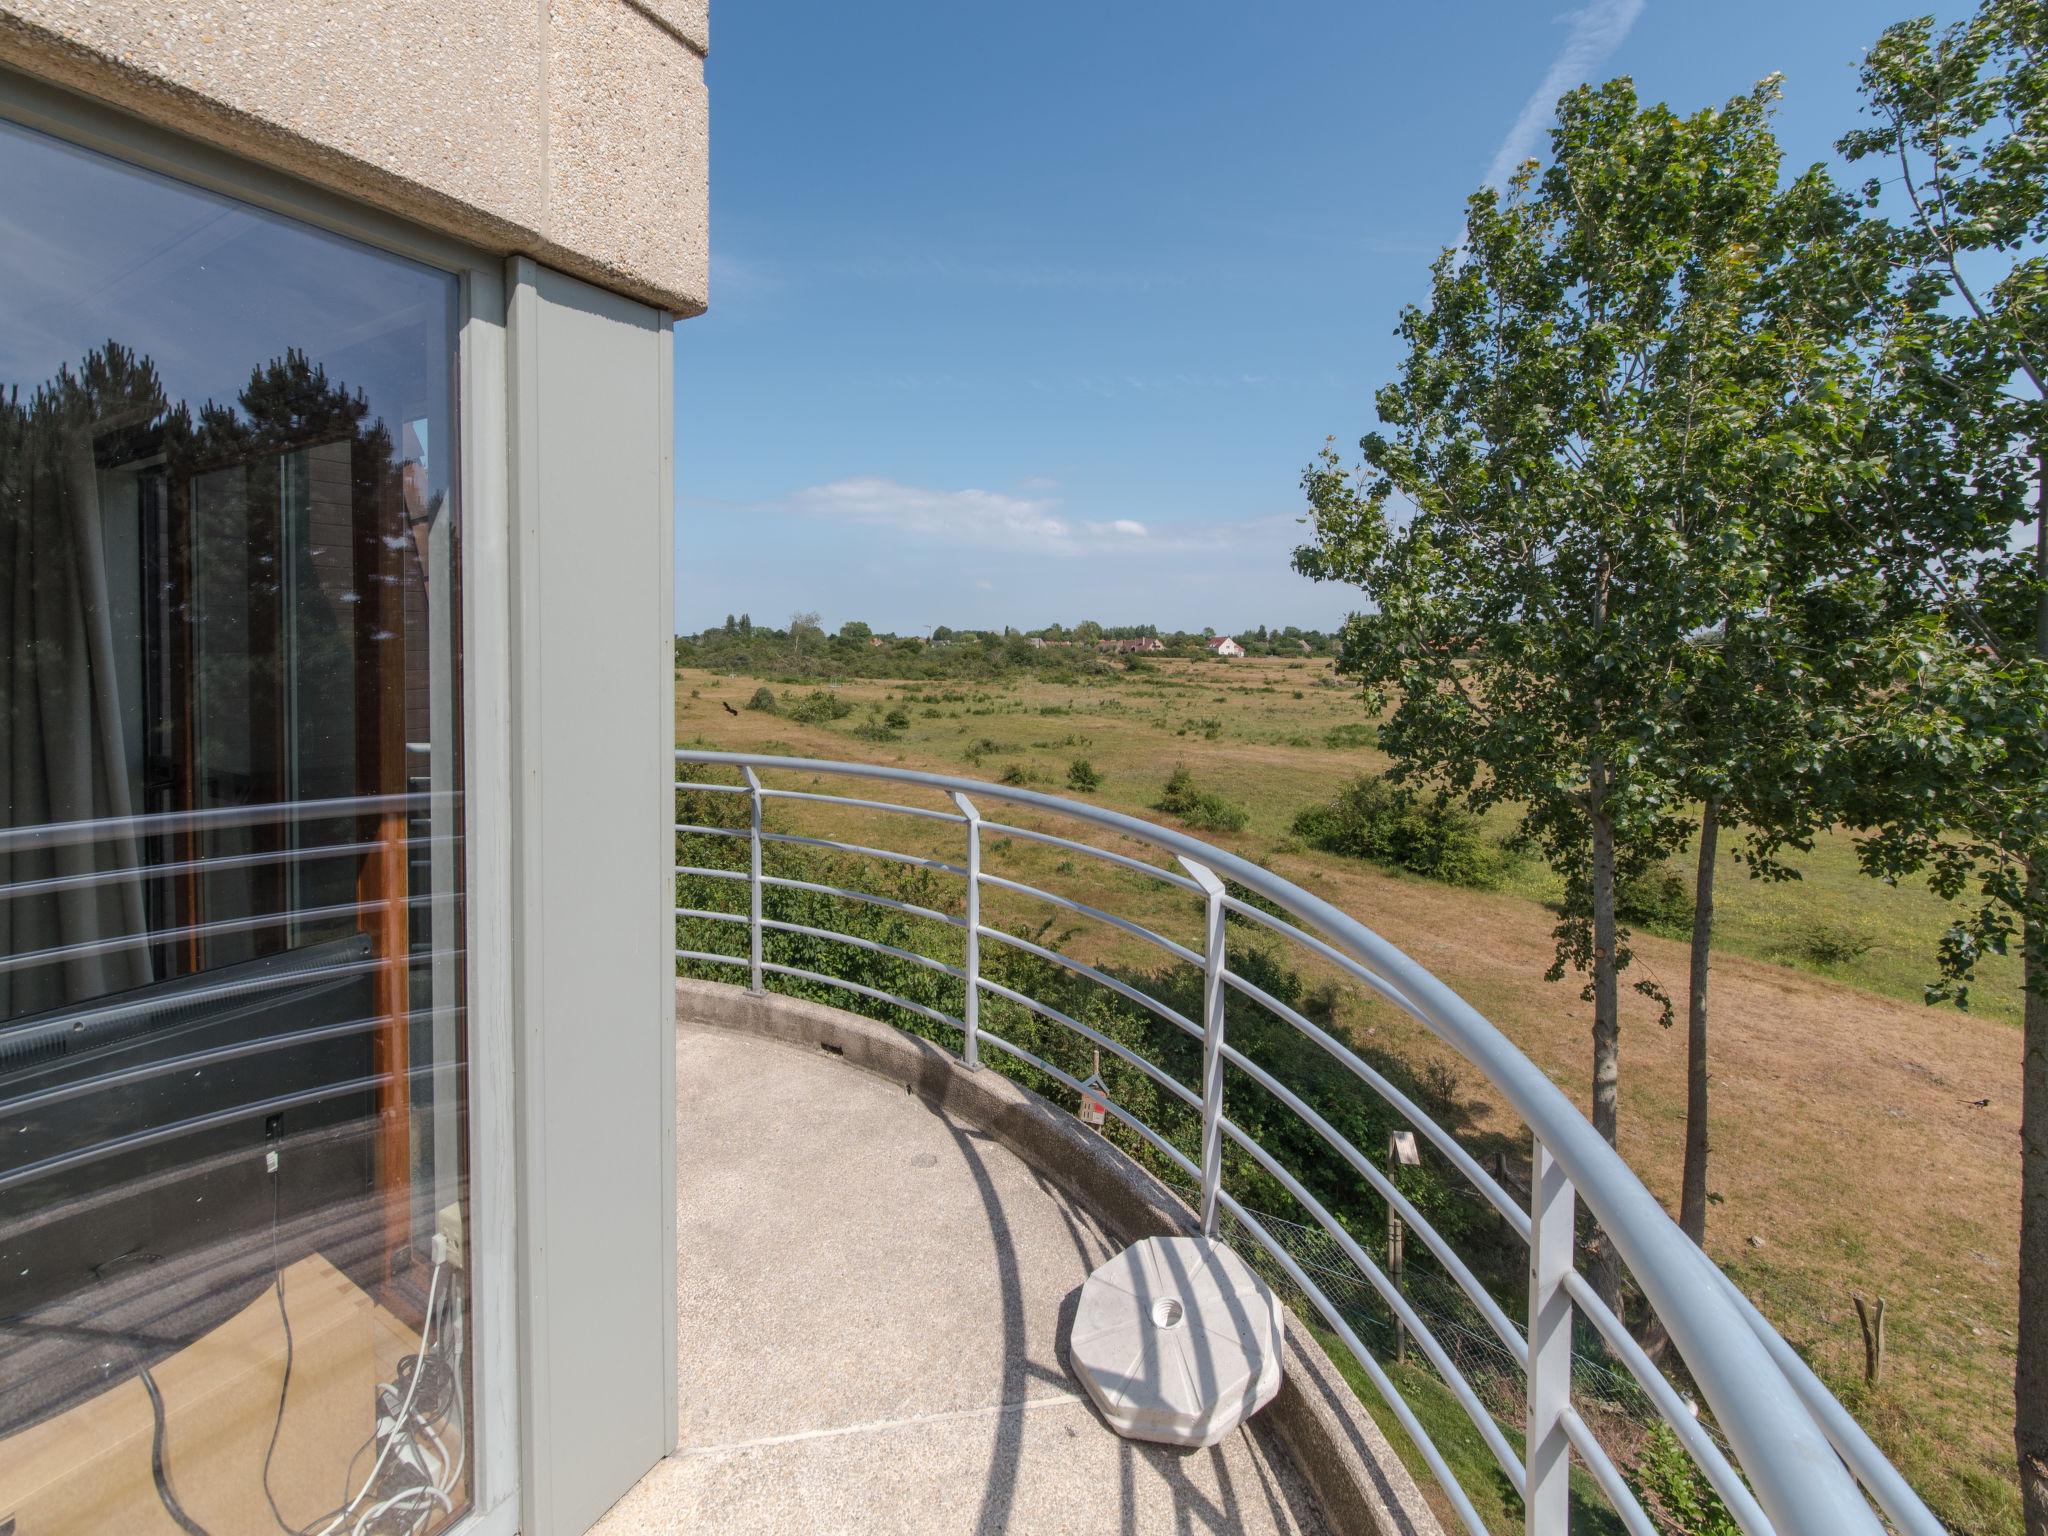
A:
[64, 758]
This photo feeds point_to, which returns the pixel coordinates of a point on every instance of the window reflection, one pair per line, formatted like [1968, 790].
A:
[232, 1187]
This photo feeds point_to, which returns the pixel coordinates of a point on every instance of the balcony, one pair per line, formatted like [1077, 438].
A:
[875, 1282]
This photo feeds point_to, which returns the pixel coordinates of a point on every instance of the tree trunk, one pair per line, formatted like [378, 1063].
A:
[1692, 1197]
[1604, 1268]
[2030, 1380]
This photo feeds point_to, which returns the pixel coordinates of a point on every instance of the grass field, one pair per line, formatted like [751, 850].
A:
[1849, 1151]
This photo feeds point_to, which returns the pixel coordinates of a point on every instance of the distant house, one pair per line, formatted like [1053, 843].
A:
[876, 642]
[1144, 643]
[1223, 645]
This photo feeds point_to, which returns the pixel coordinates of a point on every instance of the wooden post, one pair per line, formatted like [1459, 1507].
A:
[1871, 1321]
[1394, 1274]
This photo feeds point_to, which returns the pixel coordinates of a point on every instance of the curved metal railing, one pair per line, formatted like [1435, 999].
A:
[1800, 1463]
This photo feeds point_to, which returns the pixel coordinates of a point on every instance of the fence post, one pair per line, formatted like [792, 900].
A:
[1552, 1218]
[1212, 1040]
[754, 882]
[970, 1014]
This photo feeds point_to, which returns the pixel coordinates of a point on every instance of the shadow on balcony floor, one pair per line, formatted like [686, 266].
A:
[872, 1331]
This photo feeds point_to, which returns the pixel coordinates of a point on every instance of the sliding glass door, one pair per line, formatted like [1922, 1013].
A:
[234, 1214]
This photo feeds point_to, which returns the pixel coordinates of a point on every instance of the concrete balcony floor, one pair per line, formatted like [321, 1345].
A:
[874, 1301]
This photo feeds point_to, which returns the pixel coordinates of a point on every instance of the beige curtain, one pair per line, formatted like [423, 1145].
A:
[64, 757]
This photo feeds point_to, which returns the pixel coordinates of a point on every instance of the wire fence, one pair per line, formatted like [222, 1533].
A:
[1610, 1400]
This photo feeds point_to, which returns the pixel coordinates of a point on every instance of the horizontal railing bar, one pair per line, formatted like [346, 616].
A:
[1892, 1493]
[1501, 1324]
[29, 959]
[915, 860]
[907, 907]
[711, 917]
[195, 1060]
[1116, 1048]
[1158, 1143]
[911, 956]
[1136, 930]
[206, 865]
[1606, 1474]
[1396, 1403]
[867, 805]
[137, 1140]
[693, 829]
[1100, 978]
[713, 874]
[63, 834]
[1330, 952]
[1783, 1448]
[716, 789]
[1463, 1161]
[705, 954]
[1673, 1409]
[1510, 1464]
[66, 1023]
[1167, 876]
[853, 986]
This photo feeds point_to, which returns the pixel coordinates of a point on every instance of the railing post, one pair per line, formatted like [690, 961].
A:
[1551, 1222]
[970, 1014]
[754, 881]
[1212, 1039]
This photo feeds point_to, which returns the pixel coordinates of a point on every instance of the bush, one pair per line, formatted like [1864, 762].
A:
[1200, 809]
[819, 708]
[1372, 819]
[1082, 777]
[873, 730]
[897, 719]
[1353, 734]
[1834, 944]
[1016, 774]
[986, 747]
[764, 701]
[1656, 899]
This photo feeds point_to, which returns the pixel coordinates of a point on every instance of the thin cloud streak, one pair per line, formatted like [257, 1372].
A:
[1596, 31]
[925, 519]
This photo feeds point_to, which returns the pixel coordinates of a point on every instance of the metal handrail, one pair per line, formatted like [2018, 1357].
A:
[1797, 1449]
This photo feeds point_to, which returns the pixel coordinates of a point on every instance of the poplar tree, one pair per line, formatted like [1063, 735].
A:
[1604, 530]
[1959, 764]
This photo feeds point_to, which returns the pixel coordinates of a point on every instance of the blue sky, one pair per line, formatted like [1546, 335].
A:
[1035, 313]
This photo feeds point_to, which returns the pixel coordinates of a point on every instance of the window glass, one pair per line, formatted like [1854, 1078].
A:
[233, 1193]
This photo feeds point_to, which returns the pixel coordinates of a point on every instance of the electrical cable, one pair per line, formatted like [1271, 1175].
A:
[156, 1462]
[404, 1412]
[284, 1386]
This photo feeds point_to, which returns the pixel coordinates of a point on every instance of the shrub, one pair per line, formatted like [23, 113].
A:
[819, 708]
[897, 719]
[1656, 899]
[1834, 944]
[1197, 807]
[873, 730]
[986, 747]
[1372, 819]
[1016, 774]
[1667, 1480]
[1357, 733]
[764, 701]
[1082, 777]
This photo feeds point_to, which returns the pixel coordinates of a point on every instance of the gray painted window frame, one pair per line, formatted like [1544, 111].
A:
[483, 436]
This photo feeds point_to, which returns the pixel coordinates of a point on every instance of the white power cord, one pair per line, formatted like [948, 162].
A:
[398, 1423]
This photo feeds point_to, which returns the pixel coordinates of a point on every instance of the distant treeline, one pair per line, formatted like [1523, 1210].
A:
[803, 649]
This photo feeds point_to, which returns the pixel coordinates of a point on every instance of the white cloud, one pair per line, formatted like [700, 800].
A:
[988, 518]
[1122, 527]
[1596, 31]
